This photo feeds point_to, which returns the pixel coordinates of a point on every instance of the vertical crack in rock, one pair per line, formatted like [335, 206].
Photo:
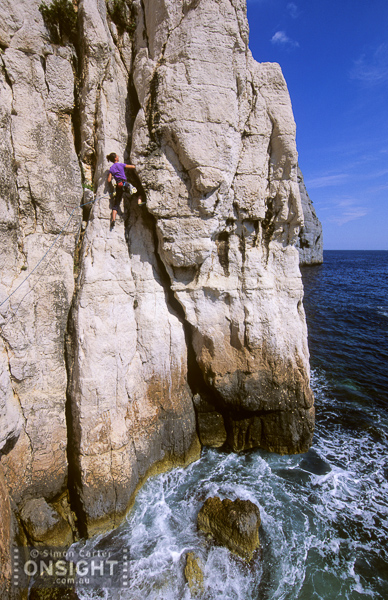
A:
[35, 205]
[132, 108]
[76, 113]
[195, 376]
[222, 242]
[242, 26]
[145, 34]
[74, 477]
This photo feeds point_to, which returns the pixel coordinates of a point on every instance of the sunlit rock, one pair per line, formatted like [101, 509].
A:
[194, 574]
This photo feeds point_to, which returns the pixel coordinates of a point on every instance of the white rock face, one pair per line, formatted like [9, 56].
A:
[310, 241]
[42, 187]
[215, 145]
[199, 293]
[131, 404]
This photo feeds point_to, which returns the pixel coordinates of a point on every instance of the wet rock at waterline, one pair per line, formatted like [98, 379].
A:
[194, 574]
[43, 589]
[44, 525]
[234, 524]
[211, 429]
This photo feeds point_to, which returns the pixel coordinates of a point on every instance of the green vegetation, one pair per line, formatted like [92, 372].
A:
[87, 186]
[60, 18]
[121, 13]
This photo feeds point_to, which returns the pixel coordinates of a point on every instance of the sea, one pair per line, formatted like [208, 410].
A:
[324, 531]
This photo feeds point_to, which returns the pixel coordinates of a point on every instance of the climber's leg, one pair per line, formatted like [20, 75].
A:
[119, 194]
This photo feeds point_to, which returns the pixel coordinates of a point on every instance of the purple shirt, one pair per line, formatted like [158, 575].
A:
[118, 172]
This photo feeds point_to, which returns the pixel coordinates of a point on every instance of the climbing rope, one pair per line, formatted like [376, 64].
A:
[42, 259]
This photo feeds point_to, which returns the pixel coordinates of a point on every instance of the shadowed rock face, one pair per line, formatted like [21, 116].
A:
[310, 242]
[198, 294]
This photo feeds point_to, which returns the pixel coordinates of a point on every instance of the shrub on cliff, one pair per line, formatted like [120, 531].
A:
[60, 18]
[120, 12]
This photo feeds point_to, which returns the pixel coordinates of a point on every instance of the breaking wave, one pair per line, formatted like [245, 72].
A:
[324, 520]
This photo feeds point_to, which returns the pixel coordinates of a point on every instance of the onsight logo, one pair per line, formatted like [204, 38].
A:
[49, 567]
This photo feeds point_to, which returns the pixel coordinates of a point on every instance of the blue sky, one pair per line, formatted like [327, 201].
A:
[334, 56]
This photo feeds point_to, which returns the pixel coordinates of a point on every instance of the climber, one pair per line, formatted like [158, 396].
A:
[118, 172]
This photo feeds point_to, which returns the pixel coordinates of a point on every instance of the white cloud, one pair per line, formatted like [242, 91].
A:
[326, 181]
[378, 188]
[353, 173]
[281, 38]
[293, 10]
[352, 214]
[372, 70]
[381, 173]
[343, 210]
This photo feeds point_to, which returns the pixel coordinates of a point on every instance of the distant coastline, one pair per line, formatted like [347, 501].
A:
[332, 250]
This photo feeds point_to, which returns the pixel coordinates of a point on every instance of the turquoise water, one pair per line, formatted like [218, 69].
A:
[325, 513]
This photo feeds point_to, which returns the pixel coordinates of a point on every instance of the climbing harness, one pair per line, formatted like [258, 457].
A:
[123, 186]
[128, 187]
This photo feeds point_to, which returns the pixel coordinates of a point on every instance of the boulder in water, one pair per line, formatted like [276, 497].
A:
[232, 523]
[194, 574]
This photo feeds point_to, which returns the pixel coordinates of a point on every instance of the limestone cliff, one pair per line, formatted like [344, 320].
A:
[310, 239]
[197, 295]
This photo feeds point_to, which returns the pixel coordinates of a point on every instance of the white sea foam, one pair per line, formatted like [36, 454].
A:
[324, 522]
[383, 310]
